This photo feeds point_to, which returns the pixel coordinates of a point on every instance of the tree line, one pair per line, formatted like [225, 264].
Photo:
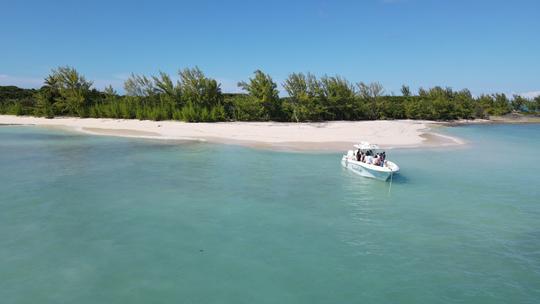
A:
[194, 97]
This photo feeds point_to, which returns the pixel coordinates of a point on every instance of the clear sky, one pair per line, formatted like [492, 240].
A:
[487, 46]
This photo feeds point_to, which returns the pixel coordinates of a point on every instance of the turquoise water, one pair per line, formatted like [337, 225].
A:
[88, 219]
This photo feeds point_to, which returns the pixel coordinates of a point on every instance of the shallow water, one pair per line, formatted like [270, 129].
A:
[87, 219]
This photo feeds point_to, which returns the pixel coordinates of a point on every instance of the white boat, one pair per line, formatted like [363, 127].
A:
[365, 168]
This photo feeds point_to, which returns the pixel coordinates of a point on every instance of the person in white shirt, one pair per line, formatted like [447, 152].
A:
[369, 159]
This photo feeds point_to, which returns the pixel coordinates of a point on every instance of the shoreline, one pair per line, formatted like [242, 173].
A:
[302, 137]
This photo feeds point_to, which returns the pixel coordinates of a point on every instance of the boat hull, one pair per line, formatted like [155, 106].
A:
[371, 171]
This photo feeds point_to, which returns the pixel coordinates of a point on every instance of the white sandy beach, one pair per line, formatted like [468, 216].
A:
[326, 136]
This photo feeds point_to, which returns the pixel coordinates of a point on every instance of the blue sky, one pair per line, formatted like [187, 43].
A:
[487, 46]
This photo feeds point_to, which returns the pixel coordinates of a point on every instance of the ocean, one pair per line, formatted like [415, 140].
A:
[94, 219]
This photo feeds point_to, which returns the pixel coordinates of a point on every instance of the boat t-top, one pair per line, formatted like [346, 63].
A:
[370, 161]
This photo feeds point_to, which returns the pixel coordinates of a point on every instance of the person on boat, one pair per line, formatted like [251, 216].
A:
[369, 159]
[358, 155]
[377, 160]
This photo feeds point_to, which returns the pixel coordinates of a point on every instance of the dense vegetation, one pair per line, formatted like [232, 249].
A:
[195, 97]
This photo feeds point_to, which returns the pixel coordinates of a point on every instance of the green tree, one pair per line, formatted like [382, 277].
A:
[370, 95]
[370, 91]
[501, 104]
[110, 94]
[518, 102]
[534, 105]
[466, 107]
[198, 89]
[44, 103]
[169, 93]
[264, 89]
[405, 91]
[72, 88]
[304, 102]
[139, 85]
[422, 92]
[338, 97]
[246, 108]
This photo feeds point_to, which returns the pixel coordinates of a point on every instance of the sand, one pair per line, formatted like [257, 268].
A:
[325, 136]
